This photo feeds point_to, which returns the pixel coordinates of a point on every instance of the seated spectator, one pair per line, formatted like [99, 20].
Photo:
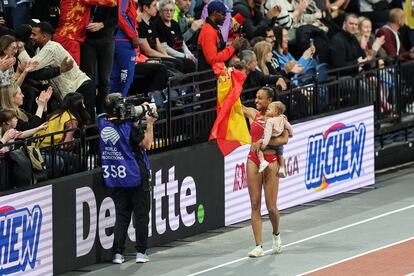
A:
[307, 63]
[170, 36]
[149, 41]
[345, 49]
[256, 78]
[188, 25]
[371, 45]
[227, 24]
[11, 97]
[51, 53]
[8, 121]
[253, 16]
[8, 49]
[393, 46]
[72, 114]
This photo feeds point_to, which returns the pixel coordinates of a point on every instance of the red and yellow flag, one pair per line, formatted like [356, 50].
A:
[230, 128]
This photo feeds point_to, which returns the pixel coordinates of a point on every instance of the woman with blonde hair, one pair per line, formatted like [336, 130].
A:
[263, 51]
[11, 97]
[371, 45]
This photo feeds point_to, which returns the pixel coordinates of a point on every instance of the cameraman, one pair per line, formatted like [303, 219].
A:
[126, 168]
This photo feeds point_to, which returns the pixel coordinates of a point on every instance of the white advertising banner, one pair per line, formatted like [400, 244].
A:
[26, 236]
[326, 156]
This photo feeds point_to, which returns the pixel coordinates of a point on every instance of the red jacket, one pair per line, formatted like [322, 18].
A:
[390, 45]
[208, 40]
[74, 17]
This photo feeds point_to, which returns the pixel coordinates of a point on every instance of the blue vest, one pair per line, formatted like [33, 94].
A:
[120, 169]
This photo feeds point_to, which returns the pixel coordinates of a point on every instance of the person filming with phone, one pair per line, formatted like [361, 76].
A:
[125, 133]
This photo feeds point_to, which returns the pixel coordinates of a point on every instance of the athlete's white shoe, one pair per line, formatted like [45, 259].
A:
[256, 252]
[277, 244]
[263, 166]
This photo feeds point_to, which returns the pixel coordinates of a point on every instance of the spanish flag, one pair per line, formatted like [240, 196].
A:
[230, 128]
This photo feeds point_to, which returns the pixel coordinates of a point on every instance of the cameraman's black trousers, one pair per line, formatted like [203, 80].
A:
[126, 200]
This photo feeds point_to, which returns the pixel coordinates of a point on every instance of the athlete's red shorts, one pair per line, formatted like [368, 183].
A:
[268, 157]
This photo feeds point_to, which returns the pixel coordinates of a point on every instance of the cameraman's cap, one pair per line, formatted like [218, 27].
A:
[217, 6]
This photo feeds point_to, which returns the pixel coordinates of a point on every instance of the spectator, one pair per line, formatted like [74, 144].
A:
[288, 13]
[170, 37]
[393, 45]
[149, 41]
[11, 97]
[73, 20]
[8, 49]
[50, 53]
[253, 16]
[225, 28]
[97, 52]
[72, 114]
[126, 41]
[188, 25]
[256, 78]
[371, 45]
[8, 121]
[345, 49]
[211, 44]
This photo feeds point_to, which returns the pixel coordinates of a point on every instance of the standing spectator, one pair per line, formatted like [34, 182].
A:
[97, 53]
[345, 49]
[73, 20]
[225, 28]
[393, 45]
[126, 41]
[188, 25]
[51, 53]
[212, 48]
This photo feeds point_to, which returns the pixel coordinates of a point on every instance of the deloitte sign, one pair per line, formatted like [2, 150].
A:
[174, 206]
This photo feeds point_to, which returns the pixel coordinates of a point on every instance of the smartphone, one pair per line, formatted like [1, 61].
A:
[311, 42]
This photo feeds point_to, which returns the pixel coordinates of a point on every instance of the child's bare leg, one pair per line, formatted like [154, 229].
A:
[282, 166]
[263, 162]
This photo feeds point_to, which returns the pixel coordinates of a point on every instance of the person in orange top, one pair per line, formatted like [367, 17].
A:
[212, 48]
[74, 18]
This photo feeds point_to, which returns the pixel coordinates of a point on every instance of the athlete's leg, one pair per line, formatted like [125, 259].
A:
[254, 182]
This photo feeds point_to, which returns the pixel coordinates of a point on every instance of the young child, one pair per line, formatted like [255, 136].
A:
[8, 121]
[275, 124]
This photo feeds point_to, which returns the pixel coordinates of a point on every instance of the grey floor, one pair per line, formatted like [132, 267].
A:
[313, 236]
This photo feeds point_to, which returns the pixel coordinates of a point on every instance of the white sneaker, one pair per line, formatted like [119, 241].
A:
[256, 252]
[142, 258]
[277, 244]
[118, 259]
[282, 172]
[263, 166]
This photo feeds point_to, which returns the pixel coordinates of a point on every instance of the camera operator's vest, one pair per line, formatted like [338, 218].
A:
[120, 169]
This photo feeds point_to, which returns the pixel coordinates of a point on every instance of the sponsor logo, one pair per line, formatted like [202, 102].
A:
[292, 165]
[240, 179]
[335, 155]
[19, 238]
[185, 210]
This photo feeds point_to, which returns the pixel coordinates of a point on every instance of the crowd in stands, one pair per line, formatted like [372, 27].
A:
[59, 59]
